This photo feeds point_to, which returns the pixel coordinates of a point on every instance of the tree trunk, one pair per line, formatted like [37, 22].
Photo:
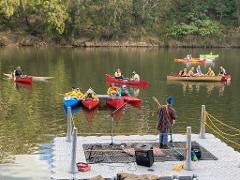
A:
[24, 14]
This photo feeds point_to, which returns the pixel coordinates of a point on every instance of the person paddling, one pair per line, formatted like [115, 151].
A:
[210, 72]
[118, 74]
[135, 76]
[123, 91]
[166, 119]
[75, 93]
[198, 71]
[90, 94]
[222, 71]
[18, 72]
[112, 90]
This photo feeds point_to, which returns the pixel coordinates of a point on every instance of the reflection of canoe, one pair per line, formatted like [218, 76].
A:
[34, 78]
[70, 101]
[199, 83]
[89, 115]
[115, 103]
[90, 103]
[25, 86]
[176, 77]
[193, 60]
[132, 100]
[117, 116]
[209, 56]
[74, 110]
[109, 78]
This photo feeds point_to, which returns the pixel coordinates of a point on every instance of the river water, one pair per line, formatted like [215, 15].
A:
[33, 115]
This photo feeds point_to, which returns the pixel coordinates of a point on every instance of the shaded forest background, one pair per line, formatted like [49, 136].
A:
[160, 22]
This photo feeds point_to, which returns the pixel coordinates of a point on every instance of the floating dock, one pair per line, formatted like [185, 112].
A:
[225, 167]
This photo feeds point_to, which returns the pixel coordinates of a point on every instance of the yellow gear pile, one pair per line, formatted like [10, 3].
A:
[85, 95]
[112, 90]
[74, 94]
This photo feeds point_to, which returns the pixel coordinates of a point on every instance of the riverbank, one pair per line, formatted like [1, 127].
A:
[24, 40]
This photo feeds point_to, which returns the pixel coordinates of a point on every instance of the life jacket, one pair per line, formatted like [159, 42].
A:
[124, 92]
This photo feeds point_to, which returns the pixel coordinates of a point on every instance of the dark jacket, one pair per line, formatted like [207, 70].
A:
[166, 115]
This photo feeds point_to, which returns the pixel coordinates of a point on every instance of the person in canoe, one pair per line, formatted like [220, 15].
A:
[90, 94]
[198, 71]
[210, 72]
[118, 74]
[166, 119]
[135, 76]
[123, 91]
[113, 90]
[190, 72]
[17, 72]
[222, 71]
[183, 72]
[75, 93]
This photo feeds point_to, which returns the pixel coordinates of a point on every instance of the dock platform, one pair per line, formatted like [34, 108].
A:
[225, 167]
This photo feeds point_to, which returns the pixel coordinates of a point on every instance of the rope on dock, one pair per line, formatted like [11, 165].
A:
[212, 125]
[233, 128]
[227, 134]
[231, 141]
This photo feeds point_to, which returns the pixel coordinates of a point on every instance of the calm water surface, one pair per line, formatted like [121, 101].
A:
[32, 115]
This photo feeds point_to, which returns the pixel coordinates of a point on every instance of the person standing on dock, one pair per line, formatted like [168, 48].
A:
[166, 118]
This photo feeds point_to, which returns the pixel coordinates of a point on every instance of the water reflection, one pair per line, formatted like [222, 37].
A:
[134, 91]
[22, 86]
[195, 87]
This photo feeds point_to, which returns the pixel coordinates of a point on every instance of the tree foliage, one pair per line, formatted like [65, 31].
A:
[120, 18]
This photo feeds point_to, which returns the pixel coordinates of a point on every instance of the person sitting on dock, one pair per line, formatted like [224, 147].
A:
[118, 74]
[135, 76]
[222, 71]
[210, 72]
[166, 118]
[75, 93]
[90, 94]
[18, 72]
[113, 90]
[123, 91]
[190, 72]
[198, 71]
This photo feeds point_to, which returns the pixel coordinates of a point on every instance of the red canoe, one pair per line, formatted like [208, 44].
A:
[90, 103]
[115, 103]
[109, 78]
[193, 60]
[132, 99]
[24, 80]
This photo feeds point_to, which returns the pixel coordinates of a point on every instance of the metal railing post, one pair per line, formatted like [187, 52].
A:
[202, 134]
[188, 161]
[69, 124]
[73, 166]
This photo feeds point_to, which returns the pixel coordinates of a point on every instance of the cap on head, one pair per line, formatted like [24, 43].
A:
[89, 90]
[134, 72]
[18, 67]
[170, 100]
[124, 86]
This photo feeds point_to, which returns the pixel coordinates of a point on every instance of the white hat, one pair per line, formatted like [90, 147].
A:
[89, 90]
[124, 86]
